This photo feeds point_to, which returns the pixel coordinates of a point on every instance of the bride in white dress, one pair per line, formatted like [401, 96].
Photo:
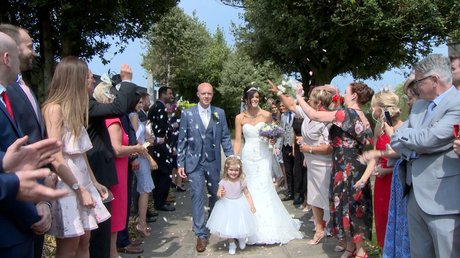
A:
[275, 224]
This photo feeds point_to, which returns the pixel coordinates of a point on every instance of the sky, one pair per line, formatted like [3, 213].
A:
[215, 14]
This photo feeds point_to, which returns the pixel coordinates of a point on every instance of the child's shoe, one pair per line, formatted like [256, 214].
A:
[242, 243]
[231, 248]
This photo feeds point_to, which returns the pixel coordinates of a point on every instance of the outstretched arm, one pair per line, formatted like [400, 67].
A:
[288, 103]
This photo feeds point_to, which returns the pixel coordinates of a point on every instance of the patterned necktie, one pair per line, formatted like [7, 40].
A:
[8, 104]
[206, 119]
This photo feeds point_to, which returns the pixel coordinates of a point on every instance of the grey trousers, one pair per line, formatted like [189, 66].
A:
[432, 235]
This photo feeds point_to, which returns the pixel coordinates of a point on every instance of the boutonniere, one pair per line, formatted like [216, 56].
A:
[215, 116]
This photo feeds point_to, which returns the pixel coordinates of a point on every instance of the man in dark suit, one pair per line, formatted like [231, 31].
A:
[28, 116]
[284, 144]
[16, 238]
[162, 153]
[101, 156]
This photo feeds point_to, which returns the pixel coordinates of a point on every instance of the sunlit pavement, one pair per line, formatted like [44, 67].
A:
[172, 236]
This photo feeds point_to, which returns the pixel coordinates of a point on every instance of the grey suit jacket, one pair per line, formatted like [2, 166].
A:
[435, 174]
[286, 139]
[190, 142]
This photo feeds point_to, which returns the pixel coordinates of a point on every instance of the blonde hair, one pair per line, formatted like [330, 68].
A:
[324, 96]
[68, 89]
[102, 93]
[387, 101]
[233, 160]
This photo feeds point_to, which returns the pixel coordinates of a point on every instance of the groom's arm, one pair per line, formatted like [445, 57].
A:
[226, 140]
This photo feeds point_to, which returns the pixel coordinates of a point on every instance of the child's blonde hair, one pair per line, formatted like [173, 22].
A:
[233, 160]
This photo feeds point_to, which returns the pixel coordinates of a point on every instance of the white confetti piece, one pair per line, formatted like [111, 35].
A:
[165, 219]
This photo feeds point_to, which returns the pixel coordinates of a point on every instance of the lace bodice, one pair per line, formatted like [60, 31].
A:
[75, 145]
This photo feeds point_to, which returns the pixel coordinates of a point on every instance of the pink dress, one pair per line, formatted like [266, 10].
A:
[69, 217]
[120, 191]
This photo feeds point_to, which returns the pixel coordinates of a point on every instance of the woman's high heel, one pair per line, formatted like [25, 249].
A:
[364, 256]
[352, 253]
[180, 189]
[317, 238]
[142, 228]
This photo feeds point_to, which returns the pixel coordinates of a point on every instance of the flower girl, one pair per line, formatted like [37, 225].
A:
[231, 216]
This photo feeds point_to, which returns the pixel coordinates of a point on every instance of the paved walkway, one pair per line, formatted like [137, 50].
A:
[172, 236]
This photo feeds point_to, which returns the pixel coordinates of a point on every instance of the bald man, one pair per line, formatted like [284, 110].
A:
[16, 238]
[202, 130]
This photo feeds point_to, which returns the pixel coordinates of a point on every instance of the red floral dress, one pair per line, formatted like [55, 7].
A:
[351, 209]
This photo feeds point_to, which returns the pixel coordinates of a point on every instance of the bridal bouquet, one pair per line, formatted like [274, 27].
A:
[271, 131]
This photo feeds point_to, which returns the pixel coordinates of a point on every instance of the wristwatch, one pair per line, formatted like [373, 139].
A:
[310, 150]
[75, 186]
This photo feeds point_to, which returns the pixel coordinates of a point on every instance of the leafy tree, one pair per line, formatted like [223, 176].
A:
[81, 28]
[176, 45]
[319, 40]
[240, 71]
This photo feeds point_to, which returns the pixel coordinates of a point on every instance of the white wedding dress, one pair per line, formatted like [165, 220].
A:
[275, 224]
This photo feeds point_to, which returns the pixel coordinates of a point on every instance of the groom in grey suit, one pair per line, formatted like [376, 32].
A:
[430, 170]
[203, 128]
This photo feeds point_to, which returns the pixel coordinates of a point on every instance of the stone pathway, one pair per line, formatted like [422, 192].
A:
[172, 236]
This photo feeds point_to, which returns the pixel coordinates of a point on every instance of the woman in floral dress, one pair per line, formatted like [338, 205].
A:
[351, 209]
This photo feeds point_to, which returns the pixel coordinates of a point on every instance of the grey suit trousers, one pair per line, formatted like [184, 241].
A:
[432, 235]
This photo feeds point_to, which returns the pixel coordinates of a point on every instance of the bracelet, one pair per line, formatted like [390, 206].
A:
[279, 93]
[47, 203]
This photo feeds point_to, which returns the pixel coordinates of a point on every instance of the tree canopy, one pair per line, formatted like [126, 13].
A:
[319, 40]
[80, 28]
[194, 55]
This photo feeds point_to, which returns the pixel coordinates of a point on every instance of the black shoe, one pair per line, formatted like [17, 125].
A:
[150, 220]
[288, 197]
[180, 189]
[166, 208]
[298, 201]
[152, 214]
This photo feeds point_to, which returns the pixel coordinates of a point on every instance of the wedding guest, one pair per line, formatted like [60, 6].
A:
[282, 182]
[25, 106]
[120, 141]
[455, 66]
[144, 178]
[377, 165]
[65, 113]
[318, 158]
[175, 115]
[275, 165]
[397, 232]
[232, 216]
[283, 146]
[16, 236]
[300, 172]
[351, 209]
[430, 165]
[101, 156]
[162, 153]
[412, 92]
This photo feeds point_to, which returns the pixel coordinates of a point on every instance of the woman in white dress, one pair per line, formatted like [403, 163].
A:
[65, 113]
[318, 154]
[275, 224]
